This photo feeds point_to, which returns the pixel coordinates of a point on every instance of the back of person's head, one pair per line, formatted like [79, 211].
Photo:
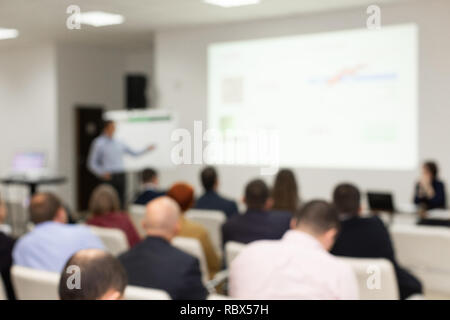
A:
[319, 219]
[104, 199]
[432, 168]
[149, 175]
[100, 277]
[162, 218]
[46, 206]
[285, 191]
[183, 194]
[347, 199]
[209, 178]
[257, 195]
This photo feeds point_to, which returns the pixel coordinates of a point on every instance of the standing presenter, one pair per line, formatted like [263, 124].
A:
[106, 159]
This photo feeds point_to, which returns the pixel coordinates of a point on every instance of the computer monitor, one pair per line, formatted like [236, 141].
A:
[381, 201]
[29, 162]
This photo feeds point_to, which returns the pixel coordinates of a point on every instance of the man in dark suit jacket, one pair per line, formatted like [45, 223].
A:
[367, 237]
[258, 223]
[150, 187]
[155, 263]
[211, 200]
[6, 247]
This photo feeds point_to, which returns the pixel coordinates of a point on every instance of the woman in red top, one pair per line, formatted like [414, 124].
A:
[104, 207]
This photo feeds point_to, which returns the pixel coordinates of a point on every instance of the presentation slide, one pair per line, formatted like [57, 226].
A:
[345, 99]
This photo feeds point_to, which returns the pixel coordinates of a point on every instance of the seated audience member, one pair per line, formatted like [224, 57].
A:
[104, 206]
[155, 263]
[6, 247]
[52, 241]
[211, 200]
[183, 194]
[101, 277]
[299, 265]
[367, 237]
[149, 187]
[258, 222]
[430, 190]
[285, 192]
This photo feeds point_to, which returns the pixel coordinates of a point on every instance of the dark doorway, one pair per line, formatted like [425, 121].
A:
[88, 126]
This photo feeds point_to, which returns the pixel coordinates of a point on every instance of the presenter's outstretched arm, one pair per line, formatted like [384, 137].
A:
[133, 153]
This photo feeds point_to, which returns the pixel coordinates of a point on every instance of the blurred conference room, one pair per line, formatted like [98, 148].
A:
[224, 150]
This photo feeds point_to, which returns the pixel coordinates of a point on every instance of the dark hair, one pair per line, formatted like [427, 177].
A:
[43, 207]
[209, 178]
[347, 199]
[256, 194]
[432, 167]
[318, 215]
[285, 191]
[148, 175]
[99, 272]
[106, 123]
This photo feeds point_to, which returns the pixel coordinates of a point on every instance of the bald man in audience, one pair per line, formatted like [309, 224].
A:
[299, 265]
[92, 274]
[155, 263]
[52, 241]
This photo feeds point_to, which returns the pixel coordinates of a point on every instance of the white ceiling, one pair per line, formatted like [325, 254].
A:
[45, 20]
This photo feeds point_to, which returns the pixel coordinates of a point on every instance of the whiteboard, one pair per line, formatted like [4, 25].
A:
[139, 129]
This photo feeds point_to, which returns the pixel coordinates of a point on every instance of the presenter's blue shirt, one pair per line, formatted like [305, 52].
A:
[106, 155]
[50, 245]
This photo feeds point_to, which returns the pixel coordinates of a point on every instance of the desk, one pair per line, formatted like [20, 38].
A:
[32, 184]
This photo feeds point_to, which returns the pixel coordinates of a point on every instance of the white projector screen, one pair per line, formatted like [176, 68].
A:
[345, 99]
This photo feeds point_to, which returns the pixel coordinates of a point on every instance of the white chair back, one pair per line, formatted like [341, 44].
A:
[194, 248]
[425, 250]
[376, 278]
[137, 213]
[2, 290]
[31, 284]
[114, 240]
[212, 220]
[232, 250]
[141, 293]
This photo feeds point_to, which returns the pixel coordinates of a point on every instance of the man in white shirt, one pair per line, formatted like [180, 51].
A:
[299, 265]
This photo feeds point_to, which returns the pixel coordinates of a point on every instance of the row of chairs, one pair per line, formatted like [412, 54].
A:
[363, 267]
[425, 250]
[33, 284]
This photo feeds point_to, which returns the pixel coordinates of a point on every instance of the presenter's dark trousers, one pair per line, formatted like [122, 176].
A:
[118, 181]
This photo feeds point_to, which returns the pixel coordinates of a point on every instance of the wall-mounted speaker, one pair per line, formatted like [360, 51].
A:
[136, 87]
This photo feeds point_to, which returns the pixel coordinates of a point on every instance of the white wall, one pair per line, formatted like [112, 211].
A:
[90, 76]
[28, 108]
[181, 84]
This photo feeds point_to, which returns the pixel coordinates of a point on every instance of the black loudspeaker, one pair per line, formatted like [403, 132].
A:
[136, 85]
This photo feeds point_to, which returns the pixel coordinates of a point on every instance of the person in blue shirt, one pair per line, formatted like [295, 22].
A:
[150, 189]
[52, 241]
[430, 190]
[105, 158]
[211, 200]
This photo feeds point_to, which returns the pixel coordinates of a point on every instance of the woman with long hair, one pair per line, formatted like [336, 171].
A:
[285, 193]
